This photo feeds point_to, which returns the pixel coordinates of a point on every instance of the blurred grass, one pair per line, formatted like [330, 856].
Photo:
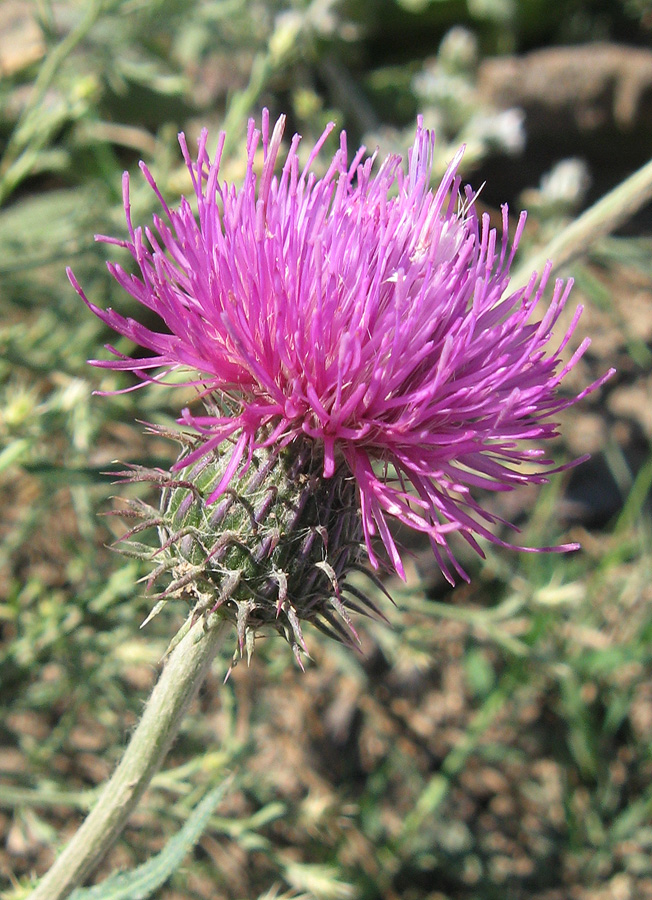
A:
[494, 742]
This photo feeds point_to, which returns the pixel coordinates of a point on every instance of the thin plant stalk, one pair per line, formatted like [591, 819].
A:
[607, 214]
[180, 680]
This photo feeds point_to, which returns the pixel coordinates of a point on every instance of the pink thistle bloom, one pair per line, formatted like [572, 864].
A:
[364, 311]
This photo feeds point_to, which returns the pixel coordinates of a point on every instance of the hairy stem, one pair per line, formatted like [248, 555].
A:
[182, 675]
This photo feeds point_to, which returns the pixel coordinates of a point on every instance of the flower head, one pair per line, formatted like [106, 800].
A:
[362, 312]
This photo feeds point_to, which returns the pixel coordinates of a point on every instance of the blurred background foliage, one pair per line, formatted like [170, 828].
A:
[494, 741]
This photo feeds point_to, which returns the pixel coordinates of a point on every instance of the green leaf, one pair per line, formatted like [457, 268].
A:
[13, 453]
[28, 236]
[140, 883]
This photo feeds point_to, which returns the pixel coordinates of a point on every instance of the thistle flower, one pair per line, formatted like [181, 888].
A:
[359, 325]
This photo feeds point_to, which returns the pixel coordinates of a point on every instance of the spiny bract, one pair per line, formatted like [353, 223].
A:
[273, 553]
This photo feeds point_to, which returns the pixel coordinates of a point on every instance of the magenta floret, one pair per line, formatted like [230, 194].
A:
[363, 310]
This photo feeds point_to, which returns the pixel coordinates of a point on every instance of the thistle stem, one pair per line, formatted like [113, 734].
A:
[180, 680]
[599, 220]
